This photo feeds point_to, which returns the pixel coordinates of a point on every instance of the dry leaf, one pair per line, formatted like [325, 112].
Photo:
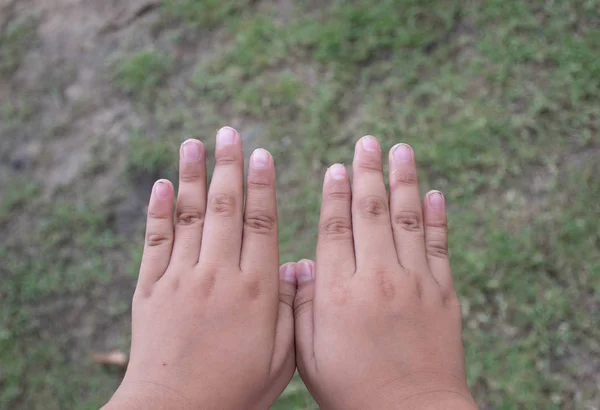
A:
[115, 358]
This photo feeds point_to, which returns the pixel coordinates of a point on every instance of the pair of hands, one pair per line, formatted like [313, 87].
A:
[217, 324]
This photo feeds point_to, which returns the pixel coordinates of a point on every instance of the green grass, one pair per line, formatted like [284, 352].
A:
[55, 263]
[16, 197]
[148, 156]
[498, 98]
[202, 15]
[141, 74]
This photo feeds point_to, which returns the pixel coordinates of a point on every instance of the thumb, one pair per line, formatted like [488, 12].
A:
[303, 315]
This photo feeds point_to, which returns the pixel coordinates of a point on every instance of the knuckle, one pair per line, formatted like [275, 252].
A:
[438, 223]
[159, 215]
[254, 286]
[141, 294]
[223, 204]
[339, 295]
[157, 239]
[373, 206]
[437, 248]
[385, 285]
[372, 164]
[208, 283]
[191, 176]
[409, 221]
[260, 223]
[226, 159]
[452, 301]
[344, 196]
[337, 227]
[405, 176]
[260, 181]
[190, 217]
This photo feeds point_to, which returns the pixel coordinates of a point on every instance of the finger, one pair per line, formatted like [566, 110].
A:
[406, 209]
[284, 334]
[222, 236]
[191, 203]
[373, 237]
[335, 248]
[260, 248]
[436, 239]
[283, 363]
[304, 317]
[159, 235]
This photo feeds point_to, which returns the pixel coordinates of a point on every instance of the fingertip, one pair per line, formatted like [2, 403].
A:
[227, 136]
[337, 172]
[159, 234]
[402, 154]
[305, 271]
[192, 150]
[163, 189]
[261, 159]
[369, 143]
[287, 272]
[436, 201]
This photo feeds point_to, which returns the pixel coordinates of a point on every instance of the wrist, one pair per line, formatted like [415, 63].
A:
[146, 397]
[440, 400]
[426, 391]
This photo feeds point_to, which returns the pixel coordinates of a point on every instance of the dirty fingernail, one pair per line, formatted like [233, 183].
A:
[191, 151]
[161, 189]
[403, 153]
[436, 199]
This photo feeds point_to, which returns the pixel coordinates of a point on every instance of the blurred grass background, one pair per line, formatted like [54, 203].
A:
[500, 100]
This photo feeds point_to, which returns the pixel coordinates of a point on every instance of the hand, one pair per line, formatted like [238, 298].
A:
[379, 327]
[212, 315]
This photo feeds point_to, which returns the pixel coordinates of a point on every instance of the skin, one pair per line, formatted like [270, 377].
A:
[212, 312]
[376, 320]
[378, 325]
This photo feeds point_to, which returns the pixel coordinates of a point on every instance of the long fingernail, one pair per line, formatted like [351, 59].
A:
[369, 143]
[191, 151]
[260, 158]
[337, 171]
[436, 200]
[161, 189]
[225, 137]
[403, 153]
[288, 273]
[304, 271]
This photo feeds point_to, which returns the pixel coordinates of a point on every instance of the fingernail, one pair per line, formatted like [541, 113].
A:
[369, 143]
[337, 171]
[161, 189]
[288, 273]
[436, 200]
[225, 137]
[191, 151]
[260, 158]
[304, 271]
[402, 153]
